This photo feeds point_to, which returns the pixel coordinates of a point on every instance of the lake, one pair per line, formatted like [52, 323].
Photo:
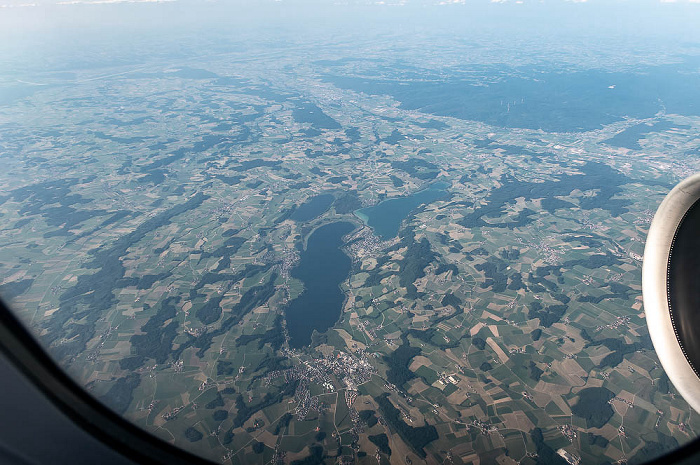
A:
[322, 268]
[385, 218]
[630, 137]
[307, 112]
[313, 208]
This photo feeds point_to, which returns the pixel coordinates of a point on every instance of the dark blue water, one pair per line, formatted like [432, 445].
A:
[309, 113]
[313, 208]
[629, 138]
[322, 268]
[386, 217]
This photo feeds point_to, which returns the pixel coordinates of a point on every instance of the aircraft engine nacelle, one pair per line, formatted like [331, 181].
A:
[671, 287]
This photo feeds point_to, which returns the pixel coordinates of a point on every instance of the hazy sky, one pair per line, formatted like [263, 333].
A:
[618, 11]
[23, 22]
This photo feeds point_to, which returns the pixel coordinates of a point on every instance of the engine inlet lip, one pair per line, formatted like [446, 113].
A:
[676, 306]
[665, 253]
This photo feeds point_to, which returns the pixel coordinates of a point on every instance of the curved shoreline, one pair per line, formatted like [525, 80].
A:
[322, 268]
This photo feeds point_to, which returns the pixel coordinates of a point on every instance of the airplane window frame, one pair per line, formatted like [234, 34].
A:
[23, 351]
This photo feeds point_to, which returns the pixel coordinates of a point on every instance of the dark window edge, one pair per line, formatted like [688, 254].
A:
[23, 351]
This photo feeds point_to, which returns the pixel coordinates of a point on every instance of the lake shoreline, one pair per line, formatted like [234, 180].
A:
[322, 268]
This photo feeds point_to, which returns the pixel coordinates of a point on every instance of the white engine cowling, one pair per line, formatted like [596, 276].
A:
[671, 287]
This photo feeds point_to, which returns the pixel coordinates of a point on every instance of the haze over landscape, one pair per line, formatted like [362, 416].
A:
[305, 233]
